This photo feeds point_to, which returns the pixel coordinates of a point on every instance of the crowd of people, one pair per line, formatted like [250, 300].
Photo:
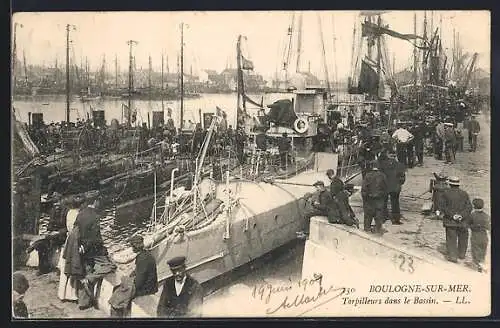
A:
[83, 262]
[386, 156]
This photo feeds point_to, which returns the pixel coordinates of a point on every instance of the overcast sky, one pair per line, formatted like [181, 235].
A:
[210, 37]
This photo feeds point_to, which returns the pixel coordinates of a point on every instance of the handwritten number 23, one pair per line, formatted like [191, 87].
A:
[402, 260]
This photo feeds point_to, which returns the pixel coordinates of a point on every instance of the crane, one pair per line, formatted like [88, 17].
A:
[469, 71]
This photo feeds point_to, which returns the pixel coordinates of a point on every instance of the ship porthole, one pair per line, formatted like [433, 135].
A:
[255, 225]
[276, 218]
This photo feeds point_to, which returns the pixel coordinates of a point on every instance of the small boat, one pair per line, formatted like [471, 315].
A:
[90, 98]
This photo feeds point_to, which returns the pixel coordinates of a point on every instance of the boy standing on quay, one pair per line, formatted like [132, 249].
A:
[480, 223]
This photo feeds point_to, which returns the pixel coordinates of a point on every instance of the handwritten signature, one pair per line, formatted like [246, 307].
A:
[308, 291]
[264, 292]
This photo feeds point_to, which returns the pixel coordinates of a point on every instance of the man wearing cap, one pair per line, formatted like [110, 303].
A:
[341, 198]
[474, 130]
[325, 204]
[395, 175]
[182, 295]
[93, 252]
[385, 140]
[439, 139]
[142, 281]
[437, 189]
[374, 193]
[456, 210]
[450, 143]
[284, 148]
[480, 224]
[366, 156]
[418, 132]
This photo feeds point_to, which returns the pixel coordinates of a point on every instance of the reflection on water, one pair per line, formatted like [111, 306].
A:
[54, 107]
[116, 233]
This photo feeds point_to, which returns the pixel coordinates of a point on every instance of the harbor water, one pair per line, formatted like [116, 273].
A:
[285, 263]
[54, 107]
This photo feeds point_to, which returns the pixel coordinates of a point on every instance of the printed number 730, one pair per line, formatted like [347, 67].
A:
[405, 263]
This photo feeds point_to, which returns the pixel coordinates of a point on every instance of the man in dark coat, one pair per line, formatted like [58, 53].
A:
[449, 143]
[144, 280]
[395, 174]
[284, 148]
[56, 235]
[419, 140]
[93, 252]
[438, 188]
[321, 203]
[341, 197]
[374, 193]
[474, 130]
[456, 210]
[240, 139]
[182, 295]
[366, 156]
[479, 225]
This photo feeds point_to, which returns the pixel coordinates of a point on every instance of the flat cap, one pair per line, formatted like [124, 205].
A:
[176, 262]
[478, 203]
[319, 183]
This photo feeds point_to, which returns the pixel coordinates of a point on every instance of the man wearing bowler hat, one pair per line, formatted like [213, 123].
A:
[455, 210]
[182, 296]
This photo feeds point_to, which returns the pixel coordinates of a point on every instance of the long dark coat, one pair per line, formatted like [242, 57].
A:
[188, 304]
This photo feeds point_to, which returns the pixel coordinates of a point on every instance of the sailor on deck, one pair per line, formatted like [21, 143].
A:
[182, 296]
[284, 148]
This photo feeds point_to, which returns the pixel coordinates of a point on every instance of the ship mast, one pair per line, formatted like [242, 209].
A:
[379, 55]
[288, 49]
[149, 76]
[299, 43]
[103, 73]
[116, 72]
[162, 104]
[182, 76]
[68, 87]
[324, 55]
[130, 81]
[25, 69]
[240, 87]
[14, 56]
[415, 77]
[424, 53]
